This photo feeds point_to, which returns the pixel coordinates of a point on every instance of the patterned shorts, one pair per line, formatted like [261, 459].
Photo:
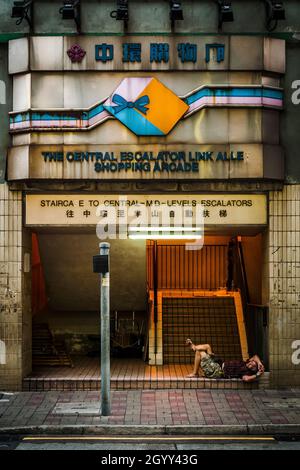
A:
[211, 369]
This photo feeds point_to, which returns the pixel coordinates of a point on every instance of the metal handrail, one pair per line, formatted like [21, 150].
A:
[256, 318]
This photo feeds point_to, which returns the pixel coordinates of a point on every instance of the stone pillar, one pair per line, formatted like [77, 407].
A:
[284, 285]
[15, 292]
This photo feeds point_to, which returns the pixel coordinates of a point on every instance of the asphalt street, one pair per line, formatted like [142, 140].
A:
[140, 443]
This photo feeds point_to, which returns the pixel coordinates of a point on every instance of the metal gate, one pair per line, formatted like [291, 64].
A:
[179, 268]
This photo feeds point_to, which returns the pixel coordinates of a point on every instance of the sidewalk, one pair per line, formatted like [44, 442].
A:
[153, 412]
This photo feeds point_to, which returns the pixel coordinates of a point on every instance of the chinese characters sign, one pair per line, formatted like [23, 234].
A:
[160, 52]
[229, 209]
[148, 53]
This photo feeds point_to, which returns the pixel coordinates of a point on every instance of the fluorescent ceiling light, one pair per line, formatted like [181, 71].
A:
[163, 228]
[167, 236]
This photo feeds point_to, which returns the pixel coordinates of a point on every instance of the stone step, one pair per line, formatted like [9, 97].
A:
[43, 384]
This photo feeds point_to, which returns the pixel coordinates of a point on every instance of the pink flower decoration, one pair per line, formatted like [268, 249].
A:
[76, 53]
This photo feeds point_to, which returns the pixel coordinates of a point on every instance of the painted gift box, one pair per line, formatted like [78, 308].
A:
[146, 106]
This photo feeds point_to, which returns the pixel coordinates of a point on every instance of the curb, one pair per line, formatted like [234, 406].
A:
[127, 430]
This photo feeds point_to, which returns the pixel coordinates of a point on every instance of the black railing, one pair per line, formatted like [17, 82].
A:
[256, 320]
[255, 316]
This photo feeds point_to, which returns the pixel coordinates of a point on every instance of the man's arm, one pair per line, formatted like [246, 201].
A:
[249, 378]
[261, 367]
[204, 347]
[199, 347]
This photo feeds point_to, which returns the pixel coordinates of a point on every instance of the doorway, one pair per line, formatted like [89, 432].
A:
[206, 295]
[193, 300]
[68, 315]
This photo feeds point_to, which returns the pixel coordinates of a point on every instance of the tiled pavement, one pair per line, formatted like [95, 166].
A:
[156, 407]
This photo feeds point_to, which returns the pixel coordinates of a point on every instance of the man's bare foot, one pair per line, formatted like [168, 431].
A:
[192, 376]
[189, 342]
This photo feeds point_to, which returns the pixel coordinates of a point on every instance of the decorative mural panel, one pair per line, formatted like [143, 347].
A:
[147, 107]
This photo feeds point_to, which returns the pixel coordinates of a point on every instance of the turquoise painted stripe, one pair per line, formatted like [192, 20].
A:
[38, 117]
[52, 117]
[235, 92]
[97, 110]
[138, 123]
[58, 117]
[20, 118]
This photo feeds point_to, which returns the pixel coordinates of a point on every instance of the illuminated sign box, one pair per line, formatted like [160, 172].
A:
[216, 210]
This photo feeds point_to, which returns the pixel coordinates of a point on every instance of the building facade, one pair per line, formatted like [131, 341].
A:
[148, 115]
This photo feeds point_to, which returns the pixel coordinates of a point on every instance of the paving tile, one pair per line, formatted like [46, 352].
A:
[166, 407]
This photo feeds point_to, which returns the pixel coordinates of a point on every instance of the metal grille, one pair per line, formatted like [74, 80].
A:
[178, 268]
[209, 320]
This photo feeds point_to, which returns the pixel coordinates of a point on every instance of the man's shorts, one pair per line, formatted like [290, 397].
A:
[211, 369]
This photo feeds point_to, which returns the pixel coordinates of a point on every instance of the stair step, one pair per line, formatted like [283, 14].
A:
[45, 351]
[204, 320]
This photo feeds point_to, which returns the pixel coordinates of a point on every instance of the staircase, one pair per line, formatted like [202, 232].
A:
[206, 320]
[46, 351]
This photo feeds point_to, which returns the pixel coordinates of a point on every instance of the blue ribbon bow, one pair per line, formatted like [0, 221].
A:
[139, 104]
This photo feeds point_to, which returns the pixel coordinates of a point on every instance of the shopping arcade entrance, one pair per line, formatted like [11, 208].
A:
[203, 294]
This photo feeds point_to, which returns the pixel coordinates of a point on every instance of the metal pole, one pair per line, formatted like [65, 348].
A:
[105, 336]
[155, 285]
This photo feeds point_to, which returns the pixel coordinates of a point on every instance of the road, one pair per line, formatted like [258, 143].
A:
[147, 443]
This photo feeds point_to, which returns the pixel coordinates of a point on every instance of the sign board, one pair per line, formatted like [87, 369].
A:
[159, 52]
[88, 209]
[145, 162]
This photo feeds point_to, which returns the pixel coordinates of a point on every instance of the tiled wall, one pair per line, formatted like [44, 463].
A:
[284, 284]
[15, 317]
[26, 306]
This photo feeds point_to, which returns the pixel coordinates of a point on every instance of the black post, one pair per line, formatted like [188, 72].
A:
[230, 265]
[154, 253]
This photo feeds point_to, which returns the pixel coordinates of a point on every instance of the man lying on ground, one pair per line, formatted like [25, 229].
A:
[214, 367]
